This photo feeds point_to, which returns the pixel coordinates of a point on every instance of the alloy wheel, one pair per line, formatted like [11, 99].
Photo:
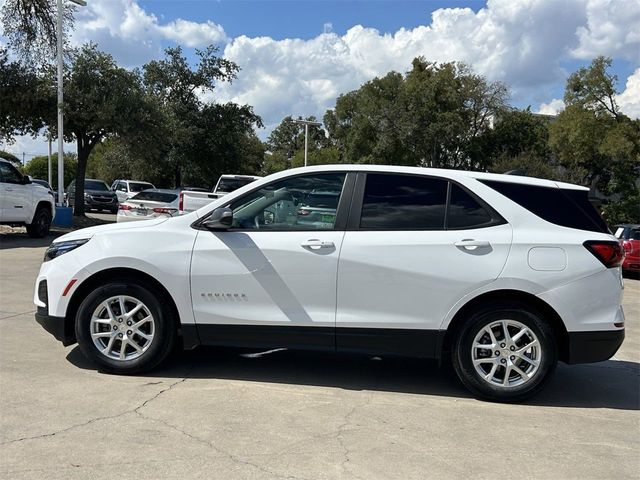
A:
[122, 328]
[506, 353]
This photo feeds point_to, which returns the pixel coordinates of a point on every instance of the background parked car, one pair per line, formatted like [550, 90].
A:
[23, 202]
[149, 204]
[126, 189]
[629, 236]
[46, 185]
[97, 196]
[195, 198]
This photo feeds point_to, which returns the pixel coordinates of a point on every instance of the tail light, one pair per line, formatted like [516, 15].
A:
[124, 207]
[627, 246]
[167, 211]
[181, 202]
[611, 254]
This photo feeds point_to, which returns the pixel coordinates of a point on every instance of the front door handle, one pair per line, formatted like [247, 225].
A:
[471, 244]
[316, 244]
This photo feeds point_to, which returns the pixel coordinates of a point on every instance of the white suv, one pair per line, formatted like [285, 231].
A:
[23, 202]
[504, 275]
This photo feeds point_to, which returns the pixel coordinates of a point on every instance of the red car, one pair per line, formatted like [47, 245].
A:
[629, 236]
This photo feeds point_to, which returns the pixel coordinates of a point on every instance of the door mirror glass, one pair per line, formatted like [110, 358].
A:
[26, 180]
[220, 219]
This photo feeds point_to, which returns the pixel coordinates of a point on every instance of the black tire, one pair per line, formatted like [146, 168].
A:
[41, 223]
[462, 353]
[160, 346]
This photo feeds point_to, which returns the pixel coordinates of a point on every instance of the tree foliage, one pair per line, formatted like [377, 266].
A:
[433, 116]
[38, 166]
[30, 28]
[594, 137]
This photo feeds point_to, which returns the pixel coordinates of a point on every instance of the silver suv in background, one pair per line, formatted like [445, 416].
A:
[125, 189]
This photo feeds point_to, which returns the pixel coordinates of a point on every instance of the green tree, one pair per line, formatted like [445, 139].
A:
[286, 141]
[10, 157]
[37, 167]
[433, 116]
[178, 87]
[102, 100]
[30, 27]
[593, 136]
[26, 100]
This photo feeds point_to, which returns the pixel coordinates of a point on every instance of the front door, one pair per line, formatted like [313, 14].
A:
[270, 281]
[15, 195]
[415, 247]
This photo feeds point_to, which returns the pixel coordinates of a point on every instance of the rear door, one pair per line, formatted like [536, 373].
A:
[414, 246]
[270, 281]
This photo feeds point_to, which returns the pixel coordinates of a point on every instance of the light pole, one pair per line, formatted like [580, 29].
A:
[306, 124]
[60, 101]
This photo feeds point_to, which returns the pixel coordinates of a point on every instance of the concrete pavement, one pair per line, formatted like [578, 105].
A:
[216, 414]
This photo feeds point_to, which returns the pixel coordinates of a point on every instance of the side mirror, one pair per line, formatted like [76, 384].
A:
[26, 179]
[220, 219]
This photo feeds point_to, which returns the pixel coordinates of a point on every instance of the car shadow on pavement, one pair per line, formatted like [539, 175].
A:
[612, 384]
[23, 240]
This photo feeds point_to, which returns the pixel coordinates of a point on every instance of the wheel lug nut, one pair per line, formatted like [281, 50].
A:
[503, 345]
[497, 353]
[512, 348]
[503, 361]
[120, 320]
[119, 335]
[128, 332]
[129, 322]
[115, 327]
[512, 357]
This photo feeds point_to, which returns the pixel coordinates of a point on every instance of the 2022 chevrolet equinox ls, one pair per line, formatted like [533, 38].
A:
[504, 275]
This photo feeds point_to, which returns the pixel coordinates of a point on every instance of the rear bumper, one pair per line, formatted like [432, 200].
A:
[590, 347]
[57, 327]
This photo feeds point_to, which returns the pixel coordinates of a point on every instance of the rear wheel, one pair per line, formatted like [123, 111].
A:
[41, 223]
[125, 328]
[505, 353]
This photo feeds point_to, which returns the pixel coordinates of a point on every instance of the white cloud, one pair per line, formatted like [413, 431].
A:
[629, 99]
[612, 28]
[521, 43]
[133, 36]
[554, 107]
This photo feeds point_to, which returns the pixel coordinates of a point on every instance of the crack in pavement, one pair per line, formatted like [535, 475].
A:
[229, 455]
[98, 419]
[17, 315]
[341, 430]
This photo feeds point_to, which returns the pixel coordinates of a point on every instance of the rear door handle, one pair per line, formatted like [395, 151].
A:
[315, 244]
[470, 244]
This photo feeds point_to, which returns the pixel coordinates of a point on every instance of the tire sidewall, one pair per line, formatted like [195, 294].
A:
[37, 229]
[462, 360]
[161, 344]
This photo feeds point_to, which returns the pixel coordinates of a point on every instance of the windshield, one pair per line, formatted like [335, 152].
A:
[139, 186]
[156, 197]
[95, 185]
[228, 185]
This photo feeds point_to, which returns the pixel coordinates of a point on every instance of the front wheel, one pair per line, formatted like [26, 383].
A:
[505, 353]
[124, 328]
[40, 224]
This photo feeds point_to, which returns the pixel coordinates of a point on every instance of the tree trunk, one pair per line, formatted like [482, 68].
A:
[85, 145]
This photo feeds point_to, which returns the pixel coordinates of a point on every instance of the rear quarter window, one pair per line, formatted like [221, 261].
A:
[564, 207]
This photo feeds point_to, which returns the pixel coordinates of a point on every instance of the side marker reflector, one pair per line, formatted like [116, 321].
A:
[68, 287]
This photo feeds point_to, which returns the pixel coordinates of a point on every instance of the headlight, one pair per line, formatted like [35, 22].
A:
[60, 248]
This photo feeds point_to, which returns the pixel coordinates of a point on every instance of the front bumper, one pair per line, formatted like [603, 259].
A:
[590, 347]
[56, 326]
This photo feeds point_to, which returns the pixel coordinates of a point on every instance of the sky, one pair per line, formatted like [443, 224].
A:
[297, 57]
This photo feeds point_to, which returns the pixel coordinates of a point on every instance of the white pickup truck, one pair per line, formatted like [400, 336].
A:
[23, 203]
[191, 200]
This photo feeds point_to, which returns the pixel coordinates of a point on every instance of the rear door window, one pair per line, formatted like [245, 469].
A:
[403, 202]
